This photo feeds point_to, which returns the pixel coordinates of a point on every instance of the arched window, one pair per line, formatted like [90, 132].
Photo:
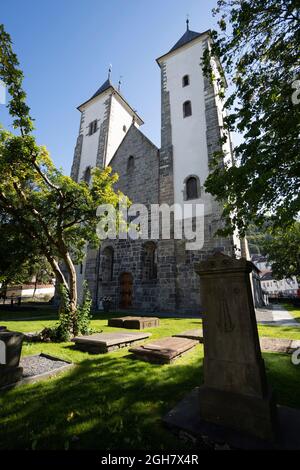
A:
[149, 261]
[87, 175]
[187, 109]
[130, 163]
[185, 80]
[192, 188]
[107, 267]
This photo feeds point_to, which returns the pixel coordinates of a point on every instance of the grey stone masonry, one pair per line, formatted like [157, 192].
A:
[103, 135]
[140, 183]
[78, 150]
[166, 187]
[77, 157]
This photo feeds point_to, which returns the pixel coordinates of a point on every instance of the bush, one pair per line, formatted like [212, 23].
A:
[62, 331]
[84, 312]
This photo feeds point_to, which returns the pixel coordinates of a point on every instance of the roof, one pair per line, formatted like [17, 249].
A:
[186, 38]
[106, 86]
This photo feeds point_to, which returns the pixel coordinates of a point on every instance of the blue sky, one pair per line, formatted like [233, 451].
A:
[65, 48]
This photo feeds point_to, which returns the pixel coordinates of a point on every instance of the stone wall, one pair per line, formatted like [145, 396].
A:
[140, 183]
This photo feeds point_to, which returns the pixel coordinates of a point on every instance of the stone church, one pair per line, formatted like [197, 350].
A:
[156, 274]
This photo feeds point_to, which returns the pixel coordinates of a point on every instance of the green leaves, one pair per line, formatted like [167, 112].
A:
[261, 55]
[55, 215]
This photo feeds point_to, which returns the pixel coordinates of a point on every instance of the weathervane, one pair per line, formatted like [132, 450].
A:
[109, 71]
[120, 83]
[187, 22]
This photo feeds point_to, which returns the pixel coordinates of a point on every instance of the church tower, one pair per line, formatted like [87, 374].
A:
[191, 122]
[105, 120]
[191, 129]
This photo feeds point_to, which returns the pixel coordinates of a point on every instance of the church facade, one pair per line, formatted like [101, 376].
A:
[156, 274]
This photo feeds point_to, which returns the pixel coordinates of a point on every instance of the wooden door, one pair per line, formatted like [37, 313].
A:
[126, 290]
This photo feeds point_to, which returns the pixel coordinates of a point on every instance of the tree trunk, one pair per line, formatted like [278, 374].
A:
[35, 284]
[72, 291]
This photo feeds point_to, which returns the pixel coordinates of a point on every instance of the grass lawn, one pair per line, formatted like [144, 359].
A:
[111, 401]
[294, 311]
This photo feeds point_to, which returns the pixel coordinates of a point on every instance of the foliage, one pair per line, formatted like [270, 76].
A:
[282, 248]
[63, 330]
[57, 214]
[258, 46]
[19, 260]
[84, 311]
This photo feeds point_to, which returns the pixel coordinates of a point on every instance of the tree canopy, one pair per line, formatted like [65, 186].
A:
[56, 216]
[258, 45]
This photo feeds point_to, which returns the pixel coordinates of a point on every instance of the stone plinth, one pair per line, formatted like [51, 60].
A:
[134, 323]
[235, 391]
[163, 351]
[196, 334]
[10, 375]
[10, 348]
[10, 353]
[101, 343]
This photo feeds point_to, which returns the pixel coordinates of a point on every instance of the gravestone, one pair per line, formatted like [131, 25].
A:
[101, 343]
[235, 392]
[10, 353]
[196, 334]
[163, 350]
[134, 323]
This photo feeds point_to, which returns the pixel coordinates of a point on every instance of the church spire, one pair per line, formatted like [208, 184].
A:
[109, 71]
[187, 22]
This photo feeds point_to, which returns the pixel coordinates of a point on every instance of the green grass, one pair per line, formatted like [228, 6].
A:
[112, 401]
[294, 311]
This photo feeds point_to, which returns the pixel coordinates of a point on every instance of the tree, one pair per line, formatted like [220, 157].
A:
[19, 259]
[57, 214]
[258, 46]
[282, 249]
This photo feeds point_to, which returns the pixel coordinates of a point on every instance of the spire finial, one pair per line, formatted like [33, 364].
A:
[187, 22]
[120, 83]
[109, 71]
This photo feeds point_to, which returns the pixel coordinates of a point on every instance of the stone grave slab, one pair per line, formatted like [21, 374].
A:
[101, 343]
[186, 418]
[163, 351]
[196, 334]
[280, 345]
[134, 323]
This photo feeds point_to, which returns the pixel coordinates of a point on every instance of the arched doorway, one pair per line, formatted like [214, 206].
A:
[126, 287]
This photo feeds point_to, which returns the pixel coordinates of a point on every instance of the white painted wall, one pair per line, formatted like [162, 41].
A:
[119, 117]
[94, 109]
[188, 134]
[284, 286]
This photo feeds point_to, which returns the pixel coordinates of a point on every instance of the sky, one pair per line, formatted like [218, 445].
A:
[65, 48]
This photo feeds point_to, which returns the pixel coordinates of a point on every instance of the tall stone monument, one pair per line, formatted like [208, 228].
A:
[235, 392]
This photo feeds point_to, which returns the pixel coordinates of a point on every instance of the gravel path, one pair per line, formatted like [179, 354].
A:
[36, 365]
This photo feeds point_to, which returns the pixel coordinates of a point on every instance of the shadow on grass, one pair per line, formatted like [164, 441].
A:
[108, 402]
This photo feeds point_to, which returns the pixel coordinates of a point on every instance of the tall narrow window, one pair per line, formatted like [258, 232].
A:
[130, 164]
[192, 188]
[149, 261]
[187, 109]
[185, 80]
[87, 175]
[93, 127]
[107, 264]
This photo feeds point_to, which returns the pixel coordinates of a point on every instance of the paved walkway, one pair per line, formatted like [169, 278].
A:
[275, 314]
